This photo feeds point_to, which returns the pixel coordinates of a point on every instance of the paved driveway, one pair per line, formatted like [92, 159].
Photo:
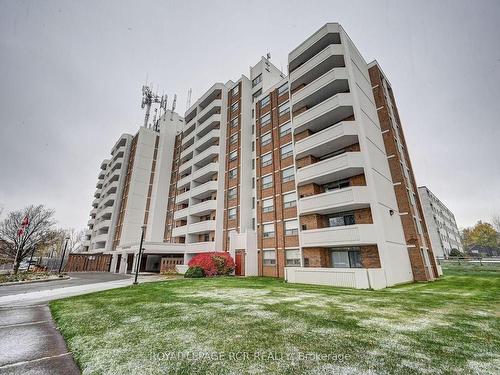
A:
[29, 340]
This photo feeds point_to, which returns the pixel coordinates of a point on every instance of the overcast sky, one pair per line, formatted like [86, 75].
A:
[71, 74]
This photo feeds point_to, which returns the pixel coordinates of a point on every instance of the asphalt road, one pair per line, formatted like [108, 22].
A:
[77, 279]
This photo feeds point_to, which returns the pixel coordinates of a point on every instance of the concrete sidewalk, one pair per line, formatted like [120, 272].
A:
[31, 344]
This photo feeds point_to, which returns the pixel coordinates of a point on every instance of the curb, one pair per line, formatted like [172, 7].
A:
[33, 281]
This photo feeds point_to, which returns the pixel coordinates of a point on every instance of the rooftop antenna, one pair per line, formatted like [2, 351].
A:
[173, 107]
[268, 55]
[148, 98]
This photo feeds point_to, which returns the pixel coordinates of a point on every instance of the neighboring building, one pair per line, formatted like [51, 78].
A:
[441, 224]
[305, 177]
[484, 251]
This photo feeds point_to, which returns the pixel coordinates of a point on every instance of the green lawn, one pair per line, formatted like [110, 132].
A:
[264, 326]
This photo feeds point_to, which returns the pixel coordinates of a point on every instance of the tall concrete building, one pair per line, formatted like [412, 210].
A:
[443, 231]
[304, 176]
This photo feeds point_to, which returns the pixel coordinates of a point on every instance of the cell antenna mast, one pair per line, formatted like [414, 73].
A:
[148, 98]
[173, 107]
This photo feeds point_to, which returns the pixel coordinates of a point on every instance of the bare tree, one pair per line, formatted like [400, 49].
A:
[39, 232]
[75, 239]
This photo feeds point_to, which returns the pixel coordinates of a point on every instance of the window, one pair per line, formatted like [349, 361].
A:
[233, 155]
[286, 151]
[292, 257]
[289, 200]
[231, 213]
[233, 173]
[339, 184]
[234, 122]
[265, 139]
[268, 257]
[341, 219]
[266, 159]
[266, 119]
[267, 205]
[236, 90]
[264, 101]
[285, 129]
[291, 227]
[287, 175]
[267, 181]
[235, 107]
[256, 94]
[282, 89]
[231, 193]
[346, 258]
[257, 80]
[233, 139]
[284, 108]
[268, 230]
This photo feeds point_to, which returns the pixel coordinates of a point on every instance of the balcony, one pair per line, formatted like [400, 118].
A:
[188, 138]
[211, 109]
[102, 224]
[184, 181]
[179, 231]
[202, 208]
[101, 175]
[187, 153]
[328, 34]
[209, 124]
[90, 222]
[329, 84]
[185, 167]
[205, 174]
[105, 211]
[181, 214]
[181, 198]
[109, 200]
[104, 164]
[204, 190]
[324, 114]
[94, 212]
[111, 188]
[331, 57]
[95, 203]
[100, 238]
[338, 167]
[350, 235]
[346, 199]
[206, 156]
[207, 140]
[202, 227]
[327, 140]
[200, 247]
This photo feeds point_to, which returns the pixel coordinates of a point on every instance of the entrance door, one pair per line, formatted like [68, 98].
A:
[130, 262]
[118, 261]
[240, 263]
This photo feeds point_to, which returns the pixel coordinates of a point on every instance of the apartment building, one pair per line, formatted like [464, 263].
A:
[106, 205]
[443, 231]
[304, 176]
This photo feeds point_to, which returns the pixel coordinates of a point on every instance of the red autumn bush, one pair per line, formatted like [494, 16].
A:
[213, 264]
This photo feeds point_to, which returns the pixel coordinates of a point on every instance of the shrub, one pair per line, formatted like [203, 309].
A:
[455, 253]
[194, 272]
[213, 264]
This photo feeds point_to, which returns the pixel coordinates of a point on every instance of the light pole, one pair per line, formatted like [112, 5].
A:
[63, 254]
[143, 228]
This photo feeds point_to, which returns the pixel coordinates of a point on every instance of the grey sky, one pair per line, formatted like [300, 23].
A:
[71, 73]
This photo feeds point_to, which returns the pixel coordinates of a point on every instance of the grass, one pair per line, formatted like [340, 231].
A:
[265, 326]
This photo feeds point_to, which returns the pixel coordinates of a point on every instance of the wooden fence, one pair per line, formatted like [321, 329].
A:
[88, 263]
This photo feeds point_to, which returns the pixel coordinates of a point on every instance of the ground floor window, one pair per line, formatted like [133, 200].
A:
[292, 257]
[346, 258]
[269, 257]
